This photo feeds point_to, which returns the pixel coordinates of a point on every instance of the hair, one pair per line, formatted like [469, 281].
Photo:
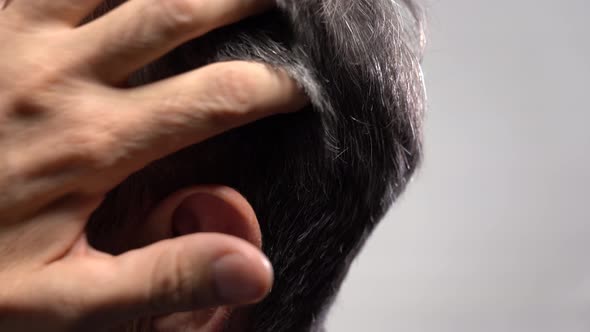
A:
[321, 179]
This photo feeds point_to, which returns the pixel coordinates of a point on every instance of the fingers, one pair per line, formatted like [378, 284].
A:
[163, 117]
[68, 12]
[140, 31]
[187, 273]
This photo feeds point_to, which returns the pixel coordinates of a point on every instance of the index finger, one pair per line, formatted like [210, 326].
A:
[140, 31]
[152, 121]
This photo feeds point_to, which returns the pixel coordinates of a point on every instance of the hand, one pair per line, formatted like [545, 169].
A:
[68, 135]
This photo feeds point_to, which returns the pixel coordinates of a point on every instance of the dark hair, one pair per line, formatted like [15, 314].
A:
[321, 179]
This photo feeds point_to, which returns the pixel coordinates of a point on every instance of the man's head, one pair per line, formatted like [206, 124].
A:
[318, 180]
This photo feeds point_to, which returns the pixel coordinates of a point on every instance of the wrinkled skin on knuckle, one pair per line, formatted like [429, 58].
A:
[177, 282]
[234, 90]
[94, 147]
[58, 147]
[76, 151]
[179, 16]
[227, 100]
[166, 287]
[85, 148]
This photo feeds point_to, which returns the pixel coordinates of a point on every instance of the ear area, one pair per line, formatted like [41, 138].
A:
[209, 209]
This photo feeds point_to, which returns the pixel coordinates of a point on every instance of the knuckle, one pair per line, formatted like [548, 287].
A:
[235, 90]
[51, 89]
[179, 15]
[92, 147]
[39, 93]
[169, 282]
[74, 145]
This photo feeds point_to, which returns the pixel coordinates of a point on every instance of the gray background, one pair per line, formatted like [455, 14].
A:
[494, 232]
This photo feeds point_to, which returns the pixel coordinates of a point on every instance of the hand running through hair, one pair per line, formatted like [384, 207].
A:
[69, 133]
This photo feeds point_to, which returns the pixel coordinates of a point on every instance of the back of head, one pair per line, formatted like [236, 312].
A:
[321, 179]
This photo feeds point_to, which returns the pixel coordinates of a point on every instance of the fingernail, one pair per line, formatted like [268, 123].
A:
[240, 279]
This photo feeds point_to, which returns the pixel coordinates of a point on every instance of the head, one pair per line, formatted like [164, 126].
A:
[318, 180]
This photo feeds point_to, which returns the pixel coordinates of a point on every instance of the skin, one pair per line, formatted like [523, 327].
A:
[70, 131]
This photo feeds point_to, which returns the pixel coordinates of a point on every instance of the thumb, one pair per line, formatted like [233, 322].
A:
[186, 273]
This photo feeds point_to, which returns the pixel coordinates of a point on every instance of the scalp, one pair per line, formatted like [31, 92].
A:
[321, 179]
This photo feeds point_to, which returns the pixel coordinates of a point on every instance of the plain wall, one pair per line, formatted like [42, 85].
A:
[494, 232]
